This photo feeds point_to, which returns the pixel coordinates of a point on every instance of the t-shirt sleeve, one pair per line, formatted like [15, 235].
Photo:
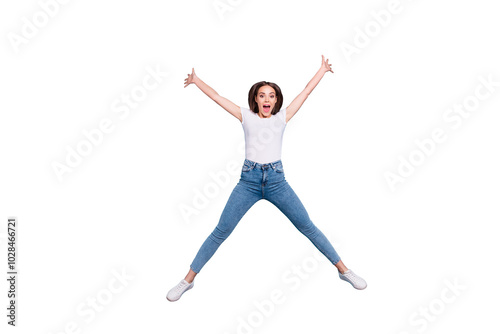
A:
[243, 111]
[283, 115]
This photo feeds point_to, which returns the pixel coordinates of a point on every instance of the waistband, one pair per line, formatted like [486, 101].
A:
[262, 166]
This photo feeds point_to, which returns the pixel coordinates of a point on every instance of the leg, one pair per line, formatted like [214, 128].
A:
[190, 276]
[239, 202]
[341, 267]
[289, 203]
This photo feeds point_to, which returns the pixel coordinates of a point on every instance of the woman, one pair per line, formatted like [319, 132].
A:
[262, 175]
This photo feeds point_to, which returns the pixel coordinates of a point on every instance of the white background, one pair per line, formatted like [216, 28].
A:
[120, 208]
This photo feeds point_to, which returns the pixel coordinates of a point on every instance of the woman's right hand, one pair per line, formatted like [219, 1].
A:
[189, 79]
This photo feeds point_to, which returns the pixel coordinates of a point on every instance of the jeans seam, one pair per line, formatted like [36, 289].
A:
[321, 249]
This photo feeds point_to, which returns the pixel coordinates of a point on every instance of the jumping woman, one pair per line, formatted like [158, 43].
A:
[262, 174]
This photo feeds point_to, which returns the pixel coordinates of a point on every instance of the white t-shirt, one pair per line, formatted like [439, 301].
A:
[263, 136]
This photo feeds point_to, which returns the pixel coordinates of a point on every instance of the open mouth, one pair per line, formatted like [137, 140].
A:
[266, 107]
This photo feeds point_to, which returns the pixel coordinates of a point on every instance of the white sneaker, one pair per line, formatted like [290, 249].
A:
[176, 292]
[356, 281]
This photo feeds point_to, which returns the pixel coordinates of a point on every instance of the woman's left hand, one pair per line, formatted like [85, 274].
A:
[324, 65]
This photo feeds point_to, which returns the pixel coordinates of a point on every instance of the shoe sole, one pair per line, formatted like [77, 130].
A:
[345, 279]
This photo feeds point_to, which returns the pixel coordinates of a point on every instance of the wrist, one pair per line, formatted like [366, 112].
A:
[196, 80]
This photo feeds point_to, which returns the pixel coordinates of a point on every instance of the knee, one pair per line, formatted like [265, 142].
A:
[219, 235]
[308, 228]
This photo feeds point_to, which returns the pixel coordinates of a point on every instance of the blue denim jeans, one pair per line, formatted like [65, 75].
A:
[262, 181]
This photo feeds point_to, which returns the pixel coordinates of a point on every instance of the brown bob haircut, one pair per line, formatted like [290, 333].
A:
[252, 94]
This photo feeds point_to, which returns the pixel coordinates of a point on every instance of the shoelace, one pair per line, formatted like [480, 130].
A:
[352, 277]
[180, 286]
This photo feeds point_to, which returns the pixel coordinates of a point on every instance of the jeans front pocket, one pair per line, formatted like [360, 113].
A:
[279, 168]
[246, 167]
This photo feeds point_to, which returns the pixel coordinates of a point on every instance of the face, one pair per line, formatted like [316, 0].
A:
[266, 99]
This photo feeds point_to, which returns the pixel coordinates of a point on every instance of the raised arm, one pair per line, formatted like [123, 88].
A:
[232, 108]
[299, 100]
